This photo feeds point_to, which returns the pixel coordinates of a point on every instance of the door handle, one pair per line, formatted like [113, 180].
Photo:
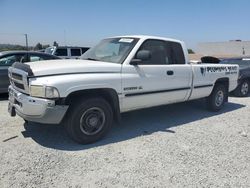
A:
[170, 72]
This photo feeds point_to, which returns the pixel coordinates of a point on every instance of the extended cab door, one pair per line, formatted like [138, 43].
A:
[163, 79]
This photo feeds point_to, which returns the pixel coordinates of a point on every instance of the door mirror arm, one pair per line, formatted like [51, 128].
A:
[135, 61]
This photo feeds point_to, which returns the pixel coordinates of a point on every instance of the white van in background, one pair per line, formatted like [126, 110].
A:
[66, 52]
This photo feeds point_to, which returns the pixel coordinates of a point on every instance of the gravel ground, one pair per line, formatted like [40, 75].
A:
[180, 145]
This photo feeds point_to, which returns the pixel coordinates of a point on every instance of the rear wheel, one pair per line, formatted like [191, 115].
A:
[242, 90]
[89, 120]
[217, 98]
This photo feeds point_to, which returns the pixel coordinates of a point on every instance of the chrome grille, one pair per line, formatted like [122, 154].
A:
[21, 86]
[17, 76]
[19, 80]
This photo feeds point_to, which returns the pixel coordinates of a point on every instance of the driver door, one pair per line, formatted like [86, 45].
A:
[163, 79]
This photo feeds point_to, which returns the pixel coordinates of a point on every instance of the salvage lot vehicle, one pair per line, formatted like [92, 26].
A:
[7, 58]
[66, 52]
[120, 74]
[242, 89]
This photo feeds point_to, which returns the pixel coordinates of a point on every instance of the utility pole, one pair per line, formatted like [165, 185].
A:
[26, 39]
[65, 42]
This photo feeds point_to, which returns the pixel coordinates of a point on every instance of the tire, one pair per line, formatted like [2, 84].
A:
[89, 120]
[217, 98]
[242, 89]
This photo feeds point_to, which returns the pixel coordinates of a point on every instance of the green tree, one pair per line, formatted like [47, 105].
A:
[38, 46]
[190, 51]
[55, 44]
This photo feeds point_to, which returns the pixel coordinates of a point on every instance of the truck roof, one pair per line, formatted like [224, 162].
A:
[148, 37]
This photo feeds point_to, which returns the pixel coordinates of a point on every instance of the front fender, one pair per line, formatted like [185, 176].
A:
[67, 84]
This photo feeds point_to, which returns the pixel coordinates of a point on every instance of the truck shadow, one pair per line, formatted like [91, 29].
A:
[133, 124]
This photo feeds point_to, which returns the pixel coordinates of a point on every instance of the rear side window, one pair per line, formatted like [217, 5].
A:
[35, 58]
[177, 53]
[38, 57]
[61, 52]
[75, 52]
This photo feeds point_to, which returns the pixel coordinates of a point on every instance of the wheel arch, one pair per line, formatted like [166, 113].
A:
[109, 94]
[224, 81]
[244, 78]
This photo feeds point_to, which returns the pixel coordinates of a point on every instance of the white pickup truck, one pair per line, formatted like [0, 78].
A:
[120, 74]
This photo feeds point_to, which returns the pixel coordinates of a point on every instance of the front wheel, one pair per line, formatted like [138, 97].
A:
[217, 98]
[89, 120]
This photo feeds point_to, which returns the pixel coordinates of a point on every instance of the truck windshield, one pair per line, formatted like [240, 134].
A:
[113, 50]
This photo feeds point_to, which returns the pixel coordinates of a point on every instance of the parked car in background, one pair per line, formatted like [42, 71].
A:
[244, 75]
[66, 52]
[7, 58]
[242, 89]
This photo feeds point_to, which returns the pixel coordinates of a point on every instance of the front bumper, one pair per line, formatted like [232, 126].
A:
[35, 109]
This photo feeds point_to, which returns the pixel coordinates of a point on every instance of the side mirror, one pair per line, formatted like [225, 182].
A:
[142, 55]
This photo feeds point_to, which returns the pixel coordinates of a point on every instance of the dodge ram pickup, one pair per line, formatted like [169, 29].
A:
[119, 74]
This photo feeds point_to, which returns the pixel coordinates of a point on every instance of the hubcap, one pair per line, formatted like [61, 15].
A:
[244, 88]
[92, 121]
[219, 98]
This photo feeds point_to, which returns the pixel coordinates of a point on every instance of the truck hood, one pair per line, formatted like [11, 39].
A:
[56, 67]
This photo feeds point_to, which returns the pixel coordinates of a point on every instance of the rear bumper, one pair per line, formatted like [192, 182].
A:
[35, 109]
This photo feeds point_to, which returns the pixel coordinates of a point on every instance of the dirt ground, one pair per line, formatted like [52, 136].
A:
[180, 145]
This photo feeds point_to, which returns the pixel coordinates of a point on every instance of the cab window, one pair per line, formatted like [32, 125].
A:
[36, 58]
[84, 50]
[75, 52]
[158, 52]
[163, 52]
[61, 52]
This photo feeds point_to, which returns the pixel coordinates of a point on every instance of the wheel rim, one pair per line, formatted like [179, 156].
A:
[219, 98]
[244, 88]
[92, 121]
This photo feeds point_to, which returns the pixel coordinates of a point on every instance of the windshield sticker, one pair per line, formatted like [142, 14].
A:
[126, 40]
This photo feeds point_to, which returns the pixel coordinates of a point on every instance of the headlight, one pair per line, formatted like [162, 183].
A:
[44, 91]
[37, 91]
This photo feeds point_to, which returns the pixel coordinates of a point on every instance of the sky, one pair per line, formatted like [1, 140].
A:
[85, 22]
